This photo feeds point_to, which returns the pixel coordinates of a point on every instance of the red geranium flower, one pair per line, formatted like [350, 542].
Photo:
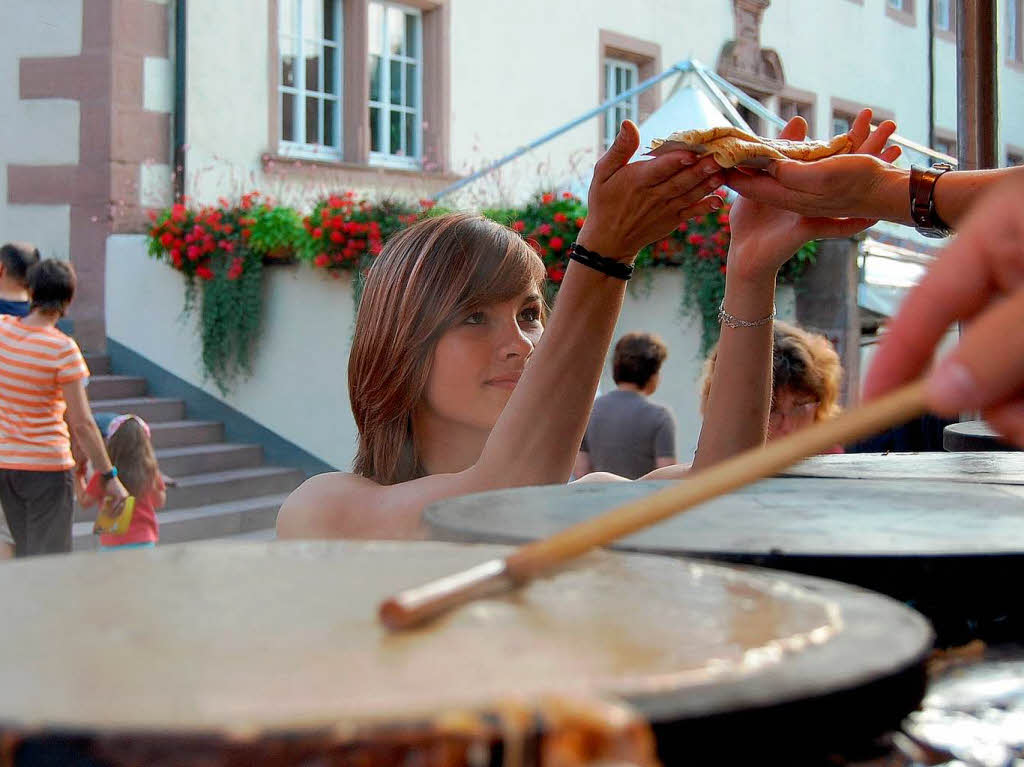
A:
[519, 225]
[556, 243]
[560, 218]
[580, 222]
[547, 198]
[194, 252]
[166, 239]
[337, 236]
[318, 233]
[204, 272]
[566, 195]
[322, 260]
[556, 273]
[544, 229]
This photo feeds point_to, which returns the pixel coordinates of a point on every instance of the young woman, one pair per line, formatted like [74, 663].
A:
[454, 390]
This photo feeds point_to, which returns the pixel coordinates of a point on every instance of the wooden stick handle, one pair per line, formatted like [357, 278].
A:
[415, 605]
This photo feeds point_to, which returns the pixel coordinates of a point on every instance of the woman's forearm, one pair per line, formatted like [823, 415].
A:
[955, 193]
[741, 388]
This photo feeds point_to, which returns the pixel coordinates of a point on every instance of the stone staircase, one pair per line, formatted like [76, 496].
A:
[221, 490]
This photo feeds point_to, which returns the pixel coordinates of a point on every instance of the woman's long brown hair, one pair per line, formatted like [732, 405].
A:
[131, 452]
[426, 279]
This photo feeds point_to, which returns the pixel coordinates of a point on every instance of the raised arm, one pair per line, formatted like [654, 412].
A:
[536, 438]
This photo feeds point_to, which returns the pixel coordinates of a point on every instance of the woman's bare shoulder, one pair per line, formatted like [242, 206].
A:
[324, 506]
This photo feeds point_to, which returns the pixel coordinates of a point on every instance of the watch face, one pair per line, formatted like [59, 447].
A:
[935, 234]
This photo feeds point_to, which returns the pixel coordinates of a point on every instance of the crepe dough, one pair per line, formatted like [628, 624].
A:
[284, 636]
[731, 146]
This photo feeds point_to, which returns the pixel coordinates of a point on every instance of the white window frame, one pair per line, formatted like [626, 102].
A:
[950, 10]
[628, 109]
[303, 148]
[412, 159]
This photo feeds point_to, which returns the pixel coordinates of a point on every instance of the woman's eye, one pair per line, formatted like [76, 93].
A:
[530, 315]
[476, 318]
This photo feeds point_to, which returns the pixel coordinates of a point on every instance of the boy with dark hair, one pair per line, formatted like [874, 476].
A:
[16, 258]
[629, 435]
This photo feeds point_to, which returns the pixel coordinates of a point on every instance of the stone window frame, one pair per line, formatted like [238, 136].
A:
[647, 57]
[905, 14]
[435, 113]
[630, 108]
[806, 99]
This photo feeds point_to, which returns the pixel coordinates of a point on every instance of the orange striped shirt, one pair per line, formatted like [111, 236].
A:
[34, 364]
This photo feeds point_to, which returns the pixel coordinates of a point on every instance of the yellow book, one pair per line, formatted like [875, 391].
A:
[110, 519]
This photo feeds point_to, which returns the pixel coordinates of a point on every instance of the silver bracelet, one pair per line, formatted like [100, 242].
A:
[735, 322]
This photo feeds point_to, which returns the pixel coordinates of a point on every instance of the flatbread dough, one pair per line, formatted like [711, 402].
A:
[732, 146]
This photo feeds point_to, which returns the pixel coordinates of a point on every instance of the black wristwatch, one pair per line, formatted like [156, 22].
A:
[922, 200]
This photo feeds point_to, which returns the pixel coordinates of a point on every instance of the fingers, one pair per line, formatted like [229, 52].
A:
[860, 129]
[693, 182]
[654, 172]
[890, 154]
[765, 189]
[875, 143]
[795, 130]
[987, 366]
[835, 228]
[1008, 419]
[700, 208]
[619, 153]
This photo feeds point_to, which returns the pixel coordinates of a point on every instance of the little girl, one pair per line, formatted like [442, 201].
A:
[131, 451]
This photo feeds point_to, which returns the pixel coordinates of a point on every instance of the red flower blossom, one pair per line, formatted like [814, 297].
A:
[178, 213]
[334, 201]
[245, 234]
[166, 239]
[427, 204]
[194, 252]
[544, 229]
[721, 193]
[337, 236]
[318, 233]
[204, 272]
[722, 269]
[235, 270]
[580, 222]
[663, 246]
[560, 218]
[566, 195]
[176, 259]
[695, 239]
[556, 273]
[547, 198]
[682, 227]
[556, 243]
[519, 225]
[322, 260]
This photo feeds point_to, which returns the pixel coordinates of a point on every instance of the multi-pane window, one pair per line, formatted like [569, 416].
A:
[310, 51]
[945, 145]
[619, 77]
[396, 74]
[790, 108]
[944, 15]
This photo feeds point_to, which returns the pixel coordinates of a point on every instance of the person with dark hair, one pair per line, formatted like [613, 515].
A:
[628, 435]
[16, 258]
[42, 375]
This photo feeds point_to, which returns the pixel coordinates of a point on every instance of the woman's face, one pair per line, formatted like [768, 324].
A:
[792, 410]
[478, 361]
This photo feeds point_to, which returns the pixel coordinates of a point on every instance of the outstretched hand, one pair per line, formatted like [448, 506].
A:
[764, 237]
[631, 205]
[861, 184]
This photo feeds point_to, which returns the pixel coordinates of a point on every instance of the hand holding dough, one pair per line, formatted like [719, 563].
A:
[731, 147]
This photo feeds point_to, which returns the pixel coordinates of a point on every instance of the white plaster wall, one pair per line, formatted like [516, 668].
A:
[299, 387]
[37, 132]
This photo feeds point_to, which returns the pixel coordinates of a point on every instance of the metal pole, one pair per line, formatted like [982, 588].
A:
[180, 48]
[977, 84]
[680, 68]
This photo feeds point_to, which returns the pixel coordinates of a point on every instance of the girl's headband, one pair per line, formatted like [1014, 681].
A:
[116, 424]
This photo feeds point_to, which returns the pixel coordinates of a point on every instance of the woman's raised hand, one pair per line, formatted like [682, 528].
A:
[630, 205]
[764, 237]
[862, 184]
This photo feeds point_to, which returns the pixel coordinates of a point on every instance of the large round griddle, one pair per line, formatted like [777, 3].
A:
[973, 436]
[998, 468]
[249, 641]
[946, 547]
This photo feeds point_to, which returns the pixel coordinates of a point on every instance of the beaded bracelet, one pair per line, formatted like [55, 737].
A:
[735, 322]
[608, 266]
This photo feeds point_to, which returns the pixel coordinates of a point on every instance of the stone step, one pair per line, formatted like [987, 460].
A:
[246, 519]
[183, 433]
[256, 536]
[99, 364]
[151, 409]
[224, 486]
[198, 459]
[115, 387]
